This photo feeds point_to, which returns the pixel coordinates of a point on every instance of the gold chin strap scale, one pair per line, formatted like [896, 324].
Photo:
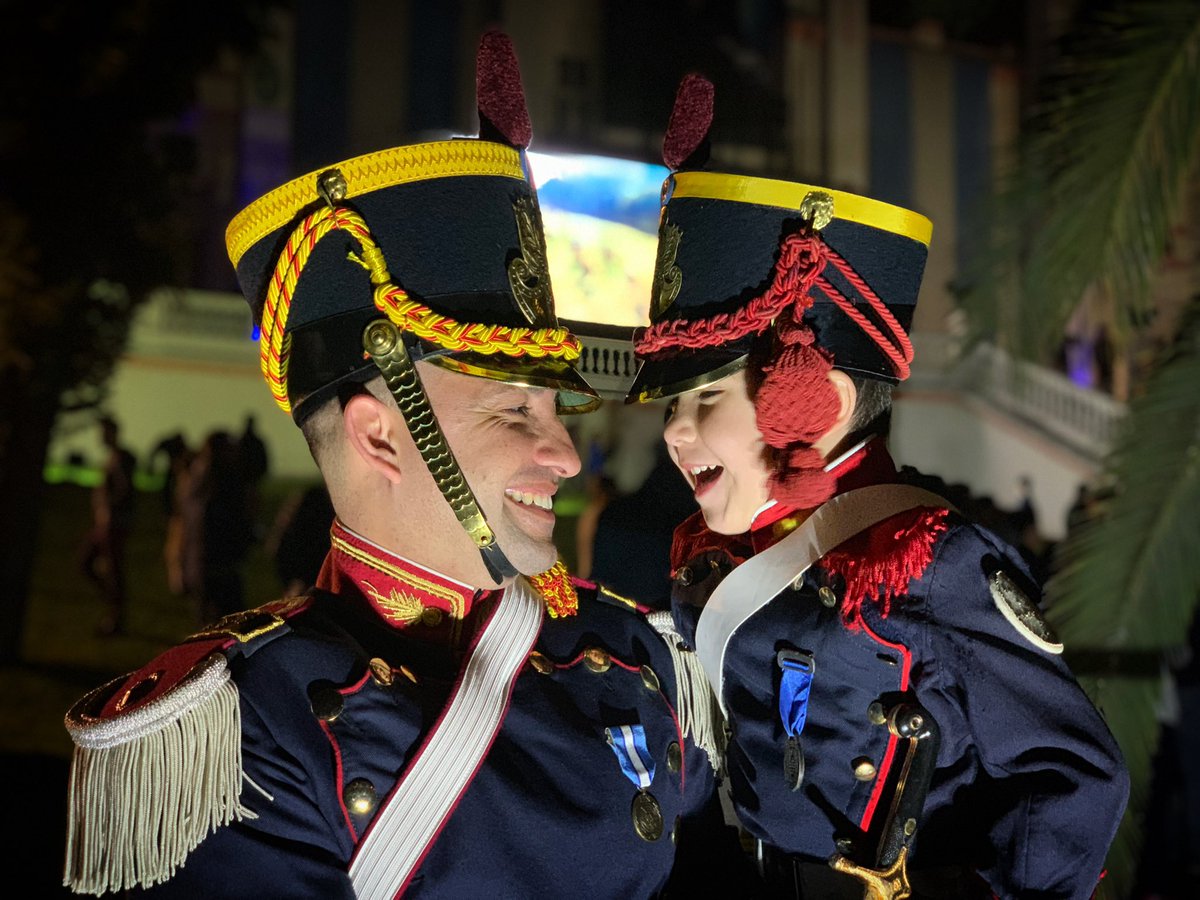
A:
[383, 344]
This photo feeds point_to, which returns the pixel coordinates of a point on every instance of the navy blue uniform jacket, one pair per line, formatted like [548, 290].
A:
[549, 810]
[1029, 785]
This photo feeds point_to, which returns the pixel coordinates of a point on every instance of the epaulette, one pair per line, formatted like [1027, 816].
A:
[158, 757]
[881, 561]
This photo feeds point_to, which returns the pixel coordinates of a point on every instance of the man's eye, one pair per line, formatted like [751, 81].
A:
[521, 412]
[671, 408]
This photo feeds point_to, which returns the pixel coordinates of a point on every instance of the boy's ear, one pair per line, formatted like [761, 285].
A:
[847, 400]
[371, 430]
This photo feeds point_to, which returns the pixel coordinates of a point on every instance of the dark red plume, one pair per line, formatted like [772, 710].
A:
[503, 116]
[691, 117]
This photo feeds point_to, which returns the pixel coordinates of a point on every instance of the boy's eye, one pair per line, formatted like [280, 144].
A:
[671, 407]
[708, 396]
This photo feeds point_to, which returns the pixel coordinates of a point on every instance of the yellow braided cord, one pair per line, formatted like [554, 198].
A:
[407, 315]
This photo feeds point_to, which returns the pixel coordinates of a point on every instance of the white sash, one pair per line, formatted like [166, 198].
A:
[754, 583]
[410, 820]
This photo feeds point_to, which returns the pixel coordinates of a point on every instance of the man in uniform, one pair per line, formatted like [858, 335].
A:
[844, 618]
[447, 713]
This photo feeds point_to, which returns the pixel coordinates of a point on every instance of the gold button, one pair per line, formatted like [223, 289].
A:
[674, 757]
[407, 673]
[864, 769]
[360, 796]
[684, 576]
[540, 662]
[876, 714]
[597, 659]
[827, 596]
[650, 679]
[325, 700]
[431, 616]
[381, 672]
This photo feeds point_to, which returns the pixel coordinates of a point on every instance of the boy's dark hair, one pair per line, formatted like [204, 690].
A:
[872, 408]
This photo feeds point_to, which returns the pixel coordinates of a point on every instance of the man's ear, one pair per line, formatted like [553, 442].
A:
[371, 430]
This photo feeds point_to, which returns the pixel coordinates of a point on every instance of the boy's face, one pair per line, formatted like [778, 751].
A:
[713, 438]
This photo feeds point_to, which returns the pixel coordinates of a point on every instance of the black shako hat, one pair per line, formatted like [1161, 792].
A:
[725, 265]
[443, 238]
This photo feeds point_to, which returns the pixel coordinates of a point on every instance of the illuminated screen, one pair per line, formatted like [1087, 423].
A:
[601, 221]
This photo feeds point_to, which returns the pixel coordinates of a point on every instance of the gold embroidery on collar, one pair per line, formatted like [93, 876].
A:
[396, 607]
[451, 596]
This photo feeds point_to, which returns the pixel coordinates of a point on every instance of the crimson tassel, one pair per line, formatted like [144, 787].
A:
[795, 405]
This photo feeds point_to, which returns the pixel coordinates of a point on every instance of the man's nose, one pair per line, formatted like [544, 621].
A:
[555, 450]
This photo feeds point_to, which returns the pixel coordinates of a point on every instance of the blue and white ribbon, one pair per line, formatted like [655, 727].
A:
[629, 744]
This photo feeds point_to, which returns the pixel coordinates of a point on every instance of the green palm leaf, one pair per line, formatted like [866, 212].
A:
[1128, 581]
[1129, 578]
[1101, 176]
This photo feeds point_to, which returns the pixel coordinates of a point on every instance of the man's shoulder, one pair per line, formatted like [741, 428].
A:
[172, 682]
[157, 754]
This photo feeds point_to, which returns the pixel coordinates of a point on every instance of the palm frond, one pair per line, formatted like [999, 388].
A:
[1099, 182]
[1129, 706]
[1130, 578]
[1128, 581]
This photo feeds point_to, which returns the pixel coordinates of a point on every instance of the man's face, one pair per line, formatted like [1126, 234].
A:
[713, 438]
[513, 450]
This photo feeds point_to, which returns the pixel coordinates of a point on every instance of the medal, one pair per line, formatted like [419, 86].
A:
[794, 686]
[647, 816]
[793, 763]
[628, 742]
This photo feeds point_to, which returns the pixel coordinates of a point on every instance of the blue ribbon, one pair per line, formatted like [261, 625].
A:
[629, 744]
[794, 688]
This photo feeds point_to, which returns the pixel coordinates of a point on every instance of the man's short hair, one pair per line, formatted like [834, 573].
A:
[322, 428]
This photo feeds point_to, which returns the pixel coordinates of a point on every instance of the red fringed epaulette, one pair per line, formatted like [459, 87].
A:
[882, 561]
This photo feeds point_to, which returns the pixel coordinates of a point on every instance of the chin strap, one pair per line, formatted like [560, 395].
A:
[383, 344]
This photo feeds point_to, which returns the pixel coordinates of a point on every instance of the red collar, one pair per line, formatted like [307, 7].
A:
[401, 592]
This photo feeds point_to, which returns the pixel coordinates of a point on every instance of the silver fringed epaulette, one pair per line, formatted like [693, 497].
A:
[699, 715]
[150, 783]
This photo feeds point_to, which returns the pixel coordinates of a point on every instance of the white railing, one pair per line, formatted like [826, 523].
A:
[1085, 420]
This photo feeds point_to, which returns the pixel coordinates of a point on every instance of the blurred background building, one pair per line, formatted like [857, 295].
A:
[913, 103]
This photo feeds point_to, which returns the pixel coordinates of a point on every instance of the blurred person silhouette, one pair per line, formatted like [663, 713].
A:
[216, 528]
[254, 463]
[102, 556]
[299, 540]
[179, 458]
